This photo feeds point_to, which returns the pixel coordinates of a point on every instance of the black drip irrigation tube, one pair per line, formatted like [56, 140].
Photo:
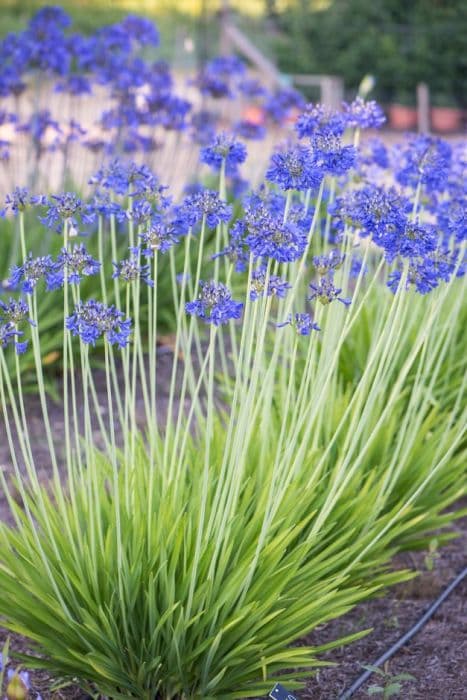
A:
[407, 636]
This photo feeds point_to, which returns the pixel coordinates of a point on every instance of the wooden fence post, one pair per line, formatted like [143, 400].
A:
[423, 107]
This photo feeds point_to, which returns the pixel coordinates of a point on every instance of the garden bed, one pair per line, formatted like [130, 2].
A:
[435, 656]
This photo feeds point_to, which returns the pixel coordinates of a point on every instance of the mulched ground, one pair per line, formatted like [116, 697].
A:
[436, 657]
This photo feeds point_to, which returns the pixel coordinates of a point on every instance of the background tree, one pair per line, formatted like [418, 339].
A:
[400, 43]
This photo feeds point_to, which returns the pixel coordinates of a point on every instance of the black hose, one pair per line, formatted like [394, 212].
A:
[406, 637]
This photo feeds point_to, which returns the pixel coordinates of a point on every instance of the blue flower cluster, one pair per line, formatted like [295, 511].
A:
[295, 169]
[31, 272]
[387, 216]
[325, 128]
[425, 274]
[17, 201]
[224, 149]
[93, 319]
[363, 115]
[65, 209]
[318, 119]
[268, 234]
[76, 264]
[325, 292]
[122, 178]
[204, 204]
[218, 77]
[283, 104]
[143, 92]
[215, 304]
[426, 160]
[267, 285]
[418, 222]
[109, 58]
[302, 323]
[325, 263]
[330, 154]
[159, 236]
[373, 210]
[13, 313]
[131, 269]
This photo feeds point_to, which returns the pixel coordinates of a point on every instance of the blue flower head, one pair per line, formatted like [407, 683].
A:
[451, 217]
[295, 169]
[160, 236]
[372, 210]
[215, 304]
[325, 292]
[224, 149]
[92, 319]
[363, 114]
[268, 235]
[250, 130]
[50, 16]
[9, 335]
[281, 104]
[206, 203]
[373, 153]
[275, 285]
[130, 269]
[31, 272]
[250, 87]
[319, 119]
[17, 201]
[425, 159]
[415, 240]
[302, 323]
[77, 262]
[141, 212]
[120, 177]
[66, 208]
[331, 155]
[15, 311]
[217, 75]
[326, 263]
[140, 30]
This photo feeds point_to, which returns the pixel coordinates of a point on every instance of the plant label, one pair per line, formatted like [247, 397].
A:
[280, 693]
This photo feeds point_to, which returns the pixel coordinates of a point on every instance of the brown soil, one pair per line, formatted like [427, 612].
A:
[436, 656]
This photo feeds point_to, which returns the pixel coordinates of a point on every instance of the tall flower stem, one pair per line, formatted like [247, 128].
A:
[193, 331]
[32, 303]
[206, 471]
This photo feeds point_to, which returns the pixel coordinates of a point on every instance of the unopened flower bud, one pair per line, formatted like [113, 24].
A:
[17, 688]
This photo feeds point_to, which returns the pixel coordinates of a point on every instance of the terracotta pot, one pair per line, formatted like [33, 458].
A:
[402, 118]
[254, 114]
[446, 119]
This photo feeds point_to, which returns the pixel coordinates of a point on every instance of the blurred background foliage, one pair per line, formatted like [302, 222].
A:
[400, 42]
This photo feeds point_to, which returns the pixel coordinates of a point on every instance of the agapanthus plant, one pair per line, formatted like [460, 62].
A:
[299, 442]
